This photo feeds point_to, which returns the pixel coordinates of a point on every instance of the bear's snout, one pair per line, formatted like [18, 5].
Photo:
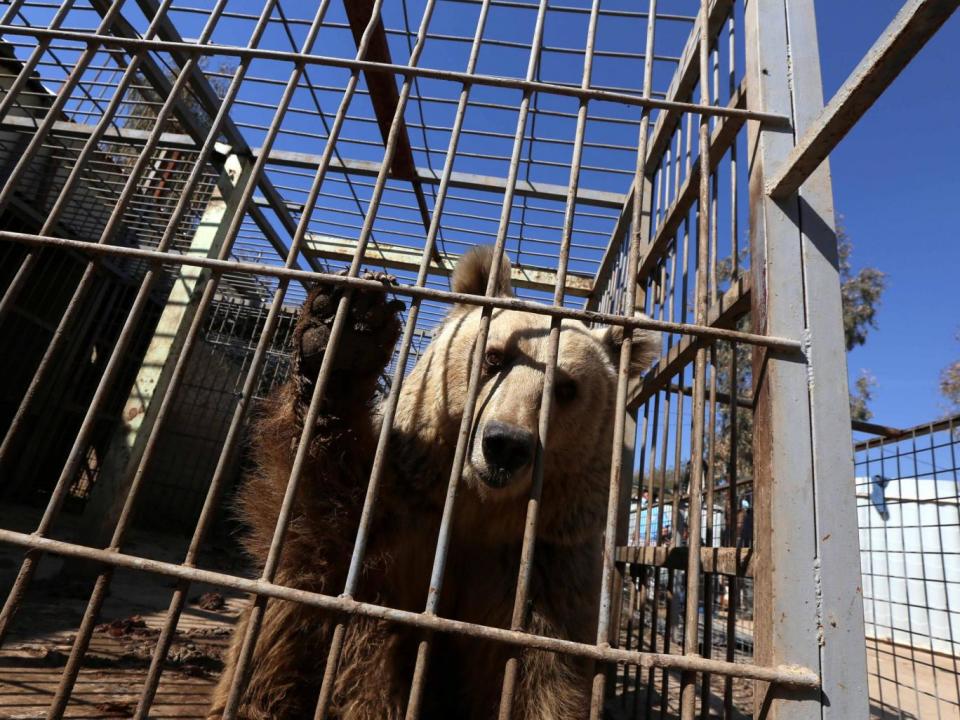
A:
[506, 448]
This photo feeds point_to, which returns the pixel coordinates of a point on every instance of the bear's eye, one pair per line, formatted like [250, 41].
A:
[565, 391]
[493, 360]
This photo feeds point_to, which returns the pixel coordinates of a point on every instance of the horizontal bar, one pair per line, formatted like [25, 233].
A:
[404, 70]
[63, 128]
[874, 429]
[723, 313]
[910, 30]
[719, 560]
[786, 675]
[346, 166]
[545, 191]
[893, 435]
[507, 303]
[399, 257]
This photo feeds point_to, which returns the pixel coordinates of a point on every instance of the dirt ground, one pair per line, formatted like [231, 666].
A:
[115, 667]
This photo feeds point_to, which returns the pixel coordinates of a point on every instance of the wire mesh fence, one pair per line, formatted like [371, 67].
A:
[215, 161]
[907, 504]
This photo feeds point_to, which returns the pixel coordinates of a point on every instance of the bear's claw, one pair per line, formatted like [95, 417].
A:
[369, 333]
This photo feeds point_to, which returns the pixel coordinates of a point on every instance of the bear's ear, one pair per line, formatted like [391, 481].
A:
[473, 270]
[644, 350]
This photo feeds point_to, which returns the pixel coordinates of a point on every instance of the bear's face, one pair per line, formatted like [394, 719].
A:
[504, 431]
[505, 427]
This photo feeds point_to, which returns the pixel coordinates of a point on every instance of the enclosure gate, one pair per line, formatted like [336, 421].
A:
[622, 186]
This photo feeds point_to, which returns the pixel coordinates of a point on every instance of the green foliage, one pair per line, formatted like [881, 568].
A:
[861, 396]
[861, 294]
[950, 384]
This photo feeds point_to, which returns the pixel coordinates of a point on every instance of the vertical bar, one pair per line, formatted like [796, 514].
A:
[944, 572]
[667, 287]
[522, 595]
[376, 471]
[446, 520]
[807, 547]
[733, 389]
[670, 611]
[623, 375]
[688, 680]
[925, 599]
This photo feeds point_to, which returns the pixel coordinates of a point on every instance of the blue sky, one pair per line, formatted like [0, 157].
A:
[896, 185]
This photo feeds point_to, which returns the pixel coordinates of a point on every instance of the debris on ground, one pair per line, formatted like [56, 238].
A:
[115, 709]
[210, 601]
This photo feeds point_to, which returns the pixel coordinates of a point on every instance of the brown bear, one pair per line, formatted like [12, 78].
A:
[465, 674]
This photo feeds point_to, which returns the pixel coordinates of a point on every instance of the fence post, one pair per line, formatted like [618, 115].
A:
[808, 597]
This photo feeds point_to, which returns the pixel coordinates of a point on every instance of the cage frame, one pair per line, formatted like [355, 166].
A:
[803, 560]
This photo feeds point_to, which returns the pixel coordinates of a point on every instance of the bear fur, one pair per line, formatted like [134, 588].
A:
[376, 664]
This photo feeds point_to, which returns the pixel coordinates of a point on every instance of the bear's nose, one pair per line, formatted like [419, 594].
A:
[508, 447]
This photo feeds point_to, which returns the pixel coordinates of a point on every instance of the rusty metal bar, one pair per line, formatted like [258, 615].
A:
[528, 86]
[473, 384]
[525, 572]
[914, 25]
[688, 681]
[377, 469]
[786, 345]
[788, 675]
[671, 611]
[628, 308]
[892, 435]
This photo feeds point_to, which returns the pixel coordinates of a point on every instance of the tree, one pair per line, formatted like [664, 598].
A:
[950, 384]
[861, 397]
[860, 295]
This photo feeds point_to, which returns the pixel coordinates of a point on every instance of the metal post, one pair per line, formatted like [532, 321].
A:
[808, 604]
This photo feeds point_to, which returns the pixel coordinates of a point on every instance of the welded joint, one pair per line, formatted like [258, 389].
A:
[818, 591]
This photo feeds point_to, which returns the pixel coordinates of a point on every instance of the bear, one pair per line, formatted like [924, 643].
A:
[464, 674]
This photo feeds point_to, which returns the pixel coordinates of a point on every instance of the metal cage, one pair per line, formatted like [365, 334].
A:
[176, 174]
